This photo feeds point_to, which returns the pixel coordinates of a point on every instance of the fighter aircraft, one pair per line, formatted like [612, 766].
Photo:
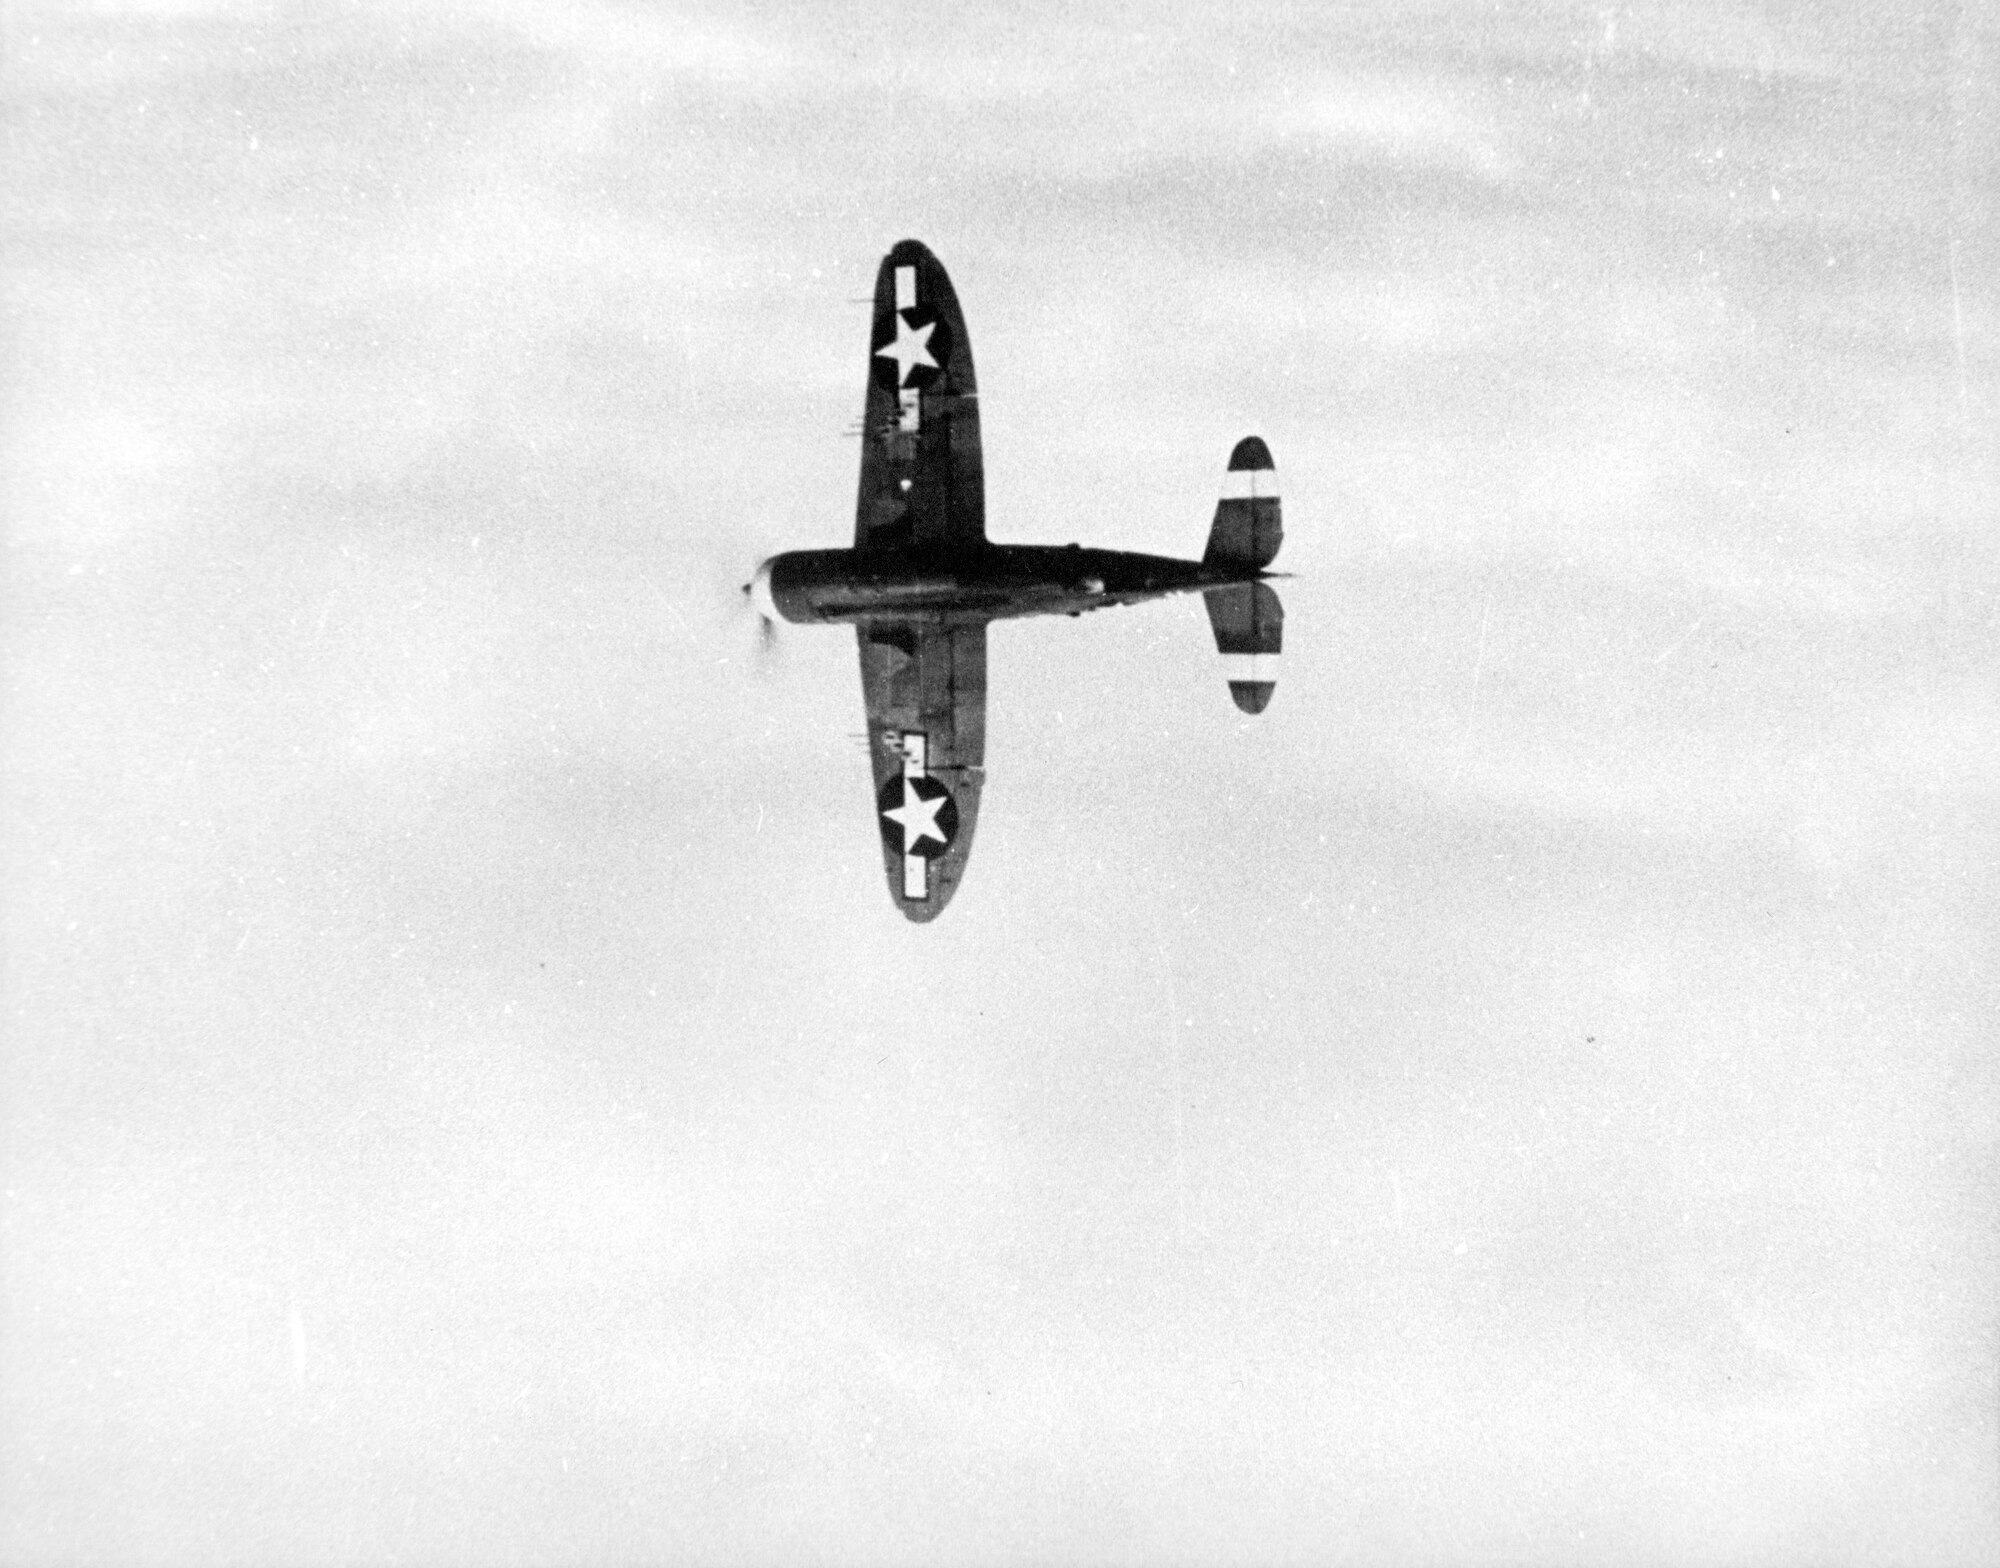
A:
[923, 580]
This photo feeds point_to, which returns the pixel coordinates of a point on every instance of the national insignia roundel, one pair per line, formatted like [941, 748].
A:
[910, 349]
[917, 816]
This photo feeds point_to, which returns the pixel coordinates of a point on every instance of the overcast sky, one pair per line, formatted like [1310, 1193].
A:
[1528, 1097]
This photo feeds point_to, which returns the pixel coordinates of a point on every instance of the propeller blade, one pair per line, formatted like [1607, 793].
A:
[766, 649]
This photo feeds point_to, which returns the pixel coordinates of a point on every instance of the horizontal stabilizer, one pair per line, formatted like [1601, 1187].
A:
[1247, 530]
[1249, 622]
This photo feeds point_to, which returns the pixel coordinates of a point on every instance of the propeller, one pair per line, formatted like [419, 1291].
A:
[756, 600]
[741, 627]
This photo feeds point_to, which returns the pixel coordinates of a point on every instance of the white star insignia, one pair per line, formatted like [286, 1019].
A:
[917, 817]
[911, 350]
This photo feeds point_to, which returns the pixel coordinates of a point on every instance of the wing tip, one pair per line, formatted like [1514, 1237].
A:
[922, 911]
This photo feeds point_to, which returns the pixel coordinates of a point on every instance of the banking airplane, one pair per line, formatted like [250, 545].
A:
[922, 580]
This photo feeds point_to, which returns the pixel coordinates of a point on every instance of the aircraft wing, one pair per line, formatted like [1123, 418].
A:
[921, 479]
[925, 688]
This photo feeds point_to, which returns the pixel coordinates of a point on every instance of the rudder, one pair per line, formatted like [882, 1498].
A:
[1248, 528]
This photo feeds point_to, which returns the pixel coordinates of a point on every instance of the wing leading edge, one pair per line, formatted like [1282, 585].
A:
[925, 689]
[922, 484]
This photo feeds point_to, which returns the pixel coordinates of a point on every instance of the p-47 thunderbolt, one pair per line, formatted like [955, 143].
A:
[923, 580]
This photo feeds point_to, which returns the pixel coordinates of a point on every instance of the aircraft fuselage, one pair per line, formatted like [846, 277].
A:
[988, 582]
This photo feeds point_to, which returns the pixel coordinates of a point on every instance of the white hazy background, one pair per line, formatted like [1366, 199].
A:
[1528, 1098]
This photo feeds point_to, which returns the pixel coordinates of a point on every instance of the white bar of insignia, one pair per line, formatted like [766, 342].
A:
[1249, 484]
[906, 288]
[916, 753]
[912, 402]
[916, 876]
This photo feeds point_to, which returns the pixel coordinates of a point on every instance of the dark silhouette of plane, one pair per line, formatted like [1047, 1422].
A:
[923, 580]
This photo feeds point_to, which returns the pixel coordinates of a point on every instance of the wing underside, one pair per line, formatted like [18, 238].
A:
[925, 690]
[921, 478]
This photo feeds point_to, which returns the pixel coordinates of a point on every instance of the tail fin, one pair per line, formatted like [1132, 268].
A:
[1247, 529]
[1249, 624]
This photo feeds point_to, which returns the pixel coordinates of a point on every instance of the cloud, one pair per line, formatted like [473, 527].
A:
[472, 1096]
[1399, 120]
